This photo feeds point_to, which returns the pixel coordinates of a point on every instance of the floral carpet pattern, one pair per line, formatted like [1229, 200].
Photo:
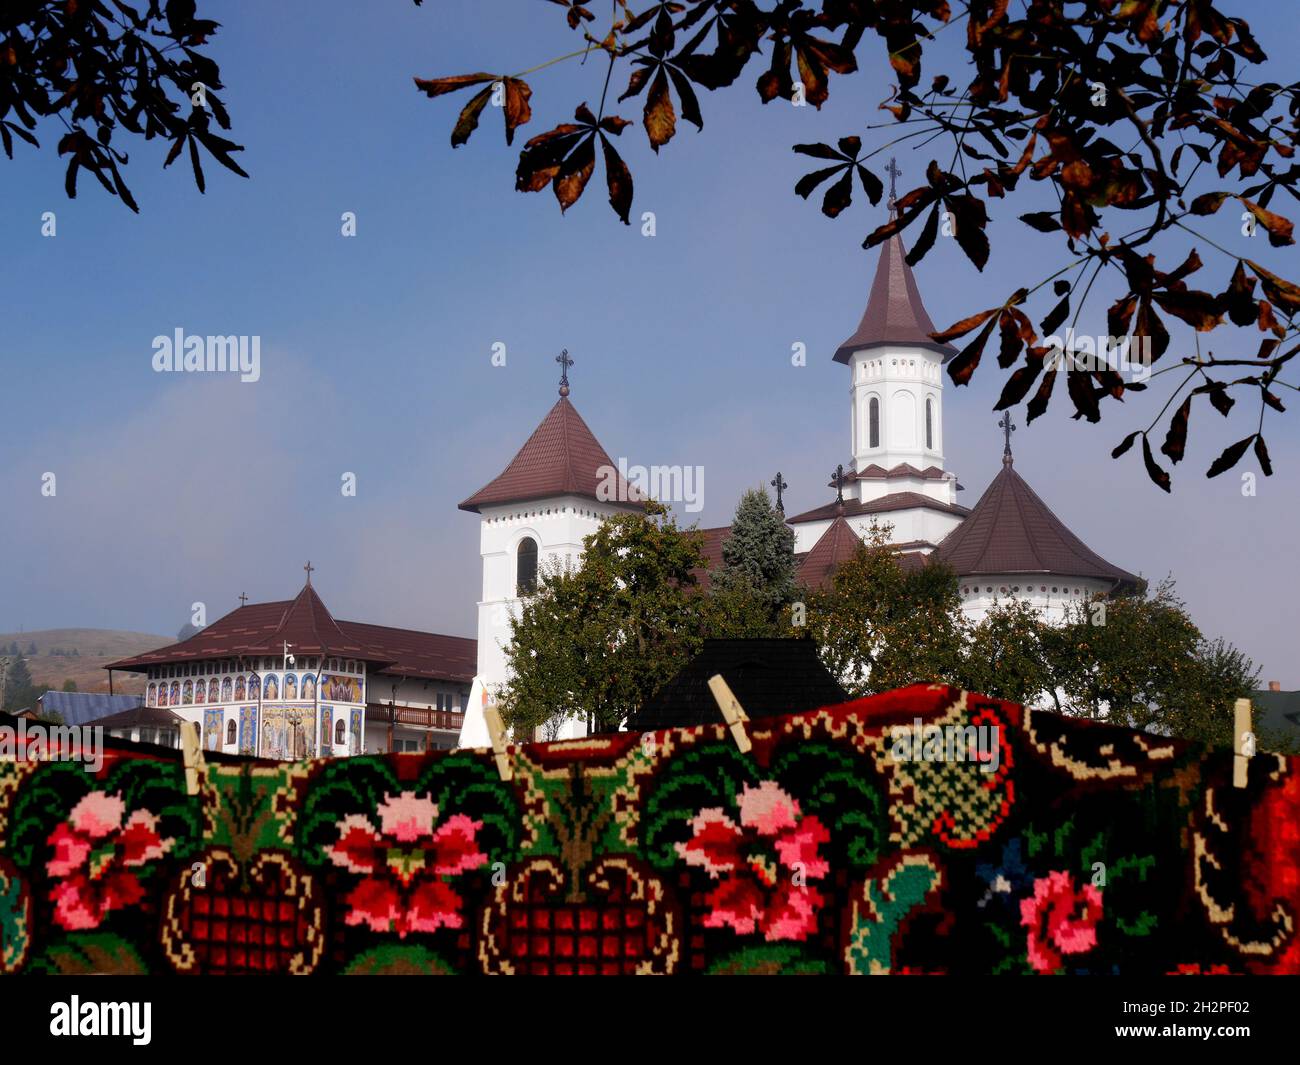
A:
[995, 840]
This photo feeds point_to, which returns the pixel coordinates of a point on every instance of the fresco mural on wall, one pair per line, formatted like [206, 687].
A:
[175, 695]
[270, 686]
[212, 725]
[340, 689]
[187, 693]
[151, 699]
[354, 732]
[247, 729]
[291, 686]
[309, 686]
[326, 731]
[226, 691]
[288, 733]
[200, 693]
[254, 686]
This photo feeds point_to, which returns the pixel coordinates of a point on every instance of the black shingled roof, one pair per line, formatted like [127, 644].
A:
[768, 677]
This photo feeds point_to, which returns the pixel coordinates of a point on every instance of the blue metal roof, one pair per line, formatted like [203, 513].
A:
[78, 708]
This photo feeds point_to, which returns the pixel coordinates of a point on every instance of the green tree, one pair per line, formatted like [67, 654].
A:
[596, 641]
[1009, 654]
[880, 626]
[69, 685]
[758, 556]
[19, 691]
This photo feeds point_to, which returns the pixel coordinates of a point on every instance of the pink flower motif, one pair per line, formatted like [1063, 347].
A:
[1061, 920]
[94, 853]
[757, 863]
[404, 862]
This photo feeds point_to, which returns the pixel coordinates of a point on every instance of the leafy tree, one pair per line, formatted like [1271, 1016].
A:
[99, 67]
[31, 649]
[879, 626]
[596, 641]
[737, 610]
[1139, 662]
[1137, 117]
[1009, 654]
[69, 685]
[758, 559]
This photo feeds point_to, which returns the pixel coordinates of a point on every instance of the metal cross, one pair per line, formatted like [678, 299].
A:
[243, 599]
[309, 567]
[779, 484]
[838, 480]
[1007, 428]
[894, 172]
[565, 362]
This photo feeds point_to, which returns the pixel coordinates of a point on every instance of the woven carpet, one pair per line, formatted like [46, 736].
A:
[922, 831]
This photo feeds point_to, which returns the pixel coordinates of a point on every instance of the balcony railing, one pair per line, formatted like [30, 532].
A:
[449, 720]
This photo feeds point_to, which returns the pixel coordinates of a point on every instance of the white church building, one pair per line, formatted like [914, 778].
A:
[1010, 544]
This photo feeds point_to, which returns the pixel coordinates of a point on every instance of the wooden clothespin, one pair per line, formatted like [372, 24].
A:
[1243, 742]
[732, 712]
[498, 733]
[192, 754]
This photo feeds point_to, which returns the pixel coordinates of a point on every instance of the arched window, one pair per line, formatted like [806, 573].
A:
[929, 424]
[340, 733]
[230, 731]
[526, 567]
[873, 422]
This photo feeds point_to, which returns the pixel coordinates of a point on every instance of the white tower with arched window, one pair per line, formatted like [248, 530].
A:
[533, 517]
[896, 376]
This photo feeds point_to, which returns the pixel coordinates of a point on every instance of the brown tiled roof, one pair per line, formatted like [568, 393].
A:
[420, 654]
[1011, 530]
[711, 548]
[834, 547]
[895, 313]
[562, 457]
[893, 501]
[875, 472]
[308, 626]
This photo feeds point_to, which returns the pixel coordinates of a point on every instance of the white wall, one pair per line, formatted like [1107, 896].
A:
[1050, 596]
[902, 378]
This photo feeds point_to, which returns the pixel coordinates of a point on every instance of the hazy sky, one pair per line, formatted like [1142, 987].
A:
[376, 349]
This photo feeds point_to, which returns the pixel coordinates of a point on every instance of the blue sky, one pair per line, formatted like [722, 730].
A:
[376, 350]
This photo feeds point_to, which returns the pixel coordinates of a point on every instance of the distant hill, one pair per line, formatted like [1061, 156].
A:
[95, 648]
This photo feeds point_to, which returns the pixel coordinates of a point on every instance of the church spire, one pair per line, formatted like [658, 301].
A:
[895, 312]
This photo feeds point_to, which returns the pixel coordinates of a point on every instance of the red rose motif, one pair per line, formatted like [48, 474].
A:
[759, 863]
[95, 855]
[1060, 919]
[404, 862]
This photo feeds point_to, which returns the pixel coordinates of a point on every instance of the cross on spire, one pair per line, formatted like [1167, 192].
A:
[309, 567]
[838, 481]
[565, 362]
[1007, 427]
[779, 484]
[243, 599]
[894, 173]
